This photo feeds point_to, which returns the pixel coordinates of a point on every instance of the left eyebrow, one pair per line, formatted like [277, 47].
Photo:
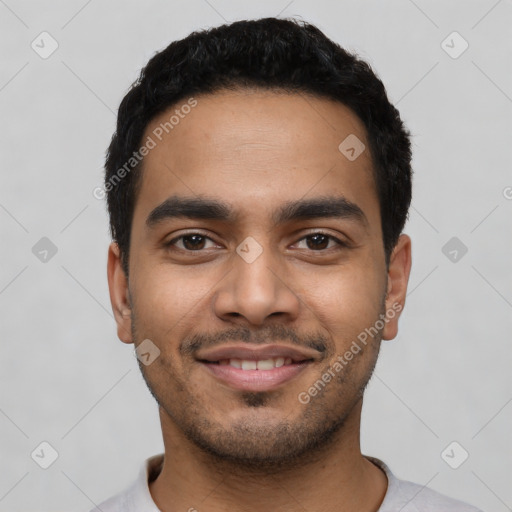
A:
[337, 207]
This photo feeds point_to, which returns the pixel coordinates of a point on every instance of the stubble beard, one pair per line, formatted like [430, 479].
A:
[256, 447]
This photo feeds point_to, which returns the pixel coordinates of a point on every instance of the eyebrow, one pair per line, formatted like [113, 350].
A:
[337, 207]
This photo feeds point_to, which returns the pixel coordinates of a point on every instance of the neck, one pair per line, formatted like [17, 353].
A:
[337, 478]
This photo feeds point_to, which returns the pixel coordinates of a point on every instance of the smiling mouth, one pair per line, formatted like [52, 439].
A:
[260, 364]
[248, 367]
[255, 374]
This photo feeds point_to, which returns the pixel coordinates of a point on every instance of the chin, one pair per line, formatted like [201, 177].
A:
[264, 439]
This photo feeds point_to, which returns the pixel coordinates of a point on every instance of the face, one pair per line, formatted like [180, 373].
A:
[256, 266]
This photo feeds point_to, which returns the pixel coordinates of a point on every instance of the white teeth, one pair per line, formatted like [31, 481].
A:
[263, 364]
[249, 365]
[266, 364]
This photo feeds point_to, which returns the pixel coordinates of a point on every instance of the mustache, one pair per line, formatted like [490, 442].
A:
[268, 335]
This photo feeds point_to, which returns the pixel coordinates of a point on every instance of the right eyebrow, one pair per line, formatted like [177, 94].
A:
[192, 208]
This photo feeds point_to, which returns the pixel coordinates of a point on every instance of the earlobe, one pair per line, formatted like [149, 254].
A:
[398, 278]
[119, 295]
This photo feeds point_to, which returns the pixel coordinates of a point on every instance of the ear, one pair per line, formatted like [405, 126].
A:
[119, 294]
[398, 278]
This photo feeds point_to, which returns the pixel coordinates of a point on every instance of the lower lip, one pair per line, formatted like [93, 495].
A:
[255, 380]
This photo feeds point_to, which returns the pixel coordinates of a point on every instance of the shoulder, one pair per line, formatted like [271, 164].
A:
[136, 497]
[120, 502]
[117, 503]
[410, 497]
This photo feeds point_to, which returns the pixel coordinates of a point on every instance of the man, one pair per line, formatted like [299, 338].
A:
[258, 184]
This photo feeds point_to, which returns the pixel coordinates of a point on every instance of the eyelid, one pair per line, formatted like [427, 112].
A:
[339, 241]
[190, 233]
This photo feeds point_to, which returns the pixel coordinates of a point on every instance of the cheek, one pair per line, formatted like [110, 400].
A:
[168, 298]
[348, 301]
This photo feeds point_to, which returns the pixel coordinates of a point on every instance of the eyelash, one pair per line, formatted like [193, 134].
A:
[330, 237]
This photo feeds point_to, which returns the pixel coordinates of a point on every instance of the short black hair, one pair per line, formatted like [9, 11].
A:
[268, 53]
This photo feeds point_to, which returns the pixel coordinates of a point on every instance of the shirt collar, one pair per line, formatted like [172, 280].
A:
[139, 496]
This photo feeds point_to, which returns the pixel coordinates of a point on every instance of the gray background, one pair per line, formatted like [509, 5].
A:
[66, 379]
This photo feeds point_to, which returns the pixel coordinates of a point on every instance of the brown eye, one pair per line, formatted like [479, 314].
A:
[192, 242]
[317, 241]
[321, 241]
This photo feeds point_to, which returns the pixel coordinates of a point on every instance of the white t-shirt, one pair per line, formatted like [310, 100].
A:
[401, 496]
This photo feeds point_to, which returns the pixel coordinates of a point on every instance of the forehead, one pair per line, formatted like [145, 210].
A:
[255, 149]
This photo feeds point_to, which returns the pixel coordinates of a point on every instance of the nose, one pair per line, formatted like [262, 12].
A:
[257, 289]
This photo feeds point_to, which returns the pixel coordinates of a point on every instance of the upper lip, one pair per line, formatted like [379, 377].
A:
[257, 353]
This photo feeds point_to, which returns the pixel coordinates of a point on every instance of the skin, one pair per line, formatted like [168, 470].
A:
[225, 448]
